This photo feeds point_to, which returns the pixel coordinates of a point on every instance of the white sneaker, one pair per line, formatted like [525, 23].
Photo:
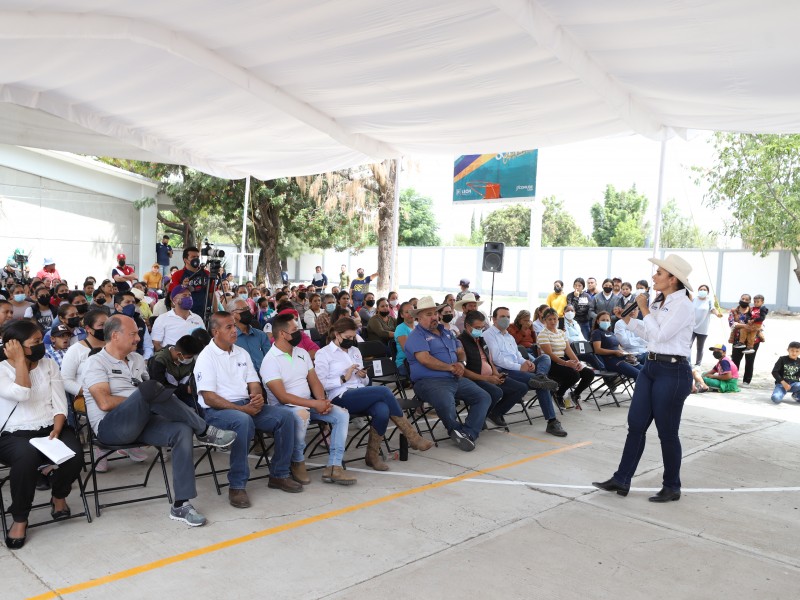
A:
[748, 351]
[137, 455]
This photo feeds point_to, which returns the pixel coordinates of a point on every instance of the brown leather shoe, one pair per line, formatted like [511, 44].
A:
[238, 498]
[299, 473]
[287, 484]
[337, 474]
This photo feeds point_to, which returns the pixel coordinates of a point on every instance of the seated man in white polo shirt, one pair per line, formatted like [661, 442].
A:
[288, 372]
[230, 393]
[178, 322]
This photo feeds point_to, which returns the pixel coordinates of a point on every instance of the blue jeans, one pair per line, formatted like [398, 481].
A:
[659, 394]
[376, 401]
[338, 418]
[621, 366]
[586, 329]
[505, 396]
[170, 423]
[274, 419]
[164, 271]
[441, 393]
[779, 392]
[542, 363]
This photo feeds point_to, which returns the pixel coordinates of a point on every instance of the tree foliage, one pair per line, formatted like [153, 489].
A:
[511, 225]
[756, 180]
[620, 220]
[417, 222]
[679, 231]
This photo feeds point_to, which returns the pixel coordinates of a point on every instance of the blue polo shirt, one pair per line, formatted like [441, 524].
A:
[256, 343]
[442, 347]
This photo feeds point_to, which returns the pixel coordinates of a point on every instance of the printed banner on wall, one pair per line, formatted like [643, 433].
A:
[502, 177]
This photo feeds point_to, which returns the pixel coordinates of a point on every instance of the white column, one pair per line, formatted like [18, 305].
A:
[148, 223]
[535, 255]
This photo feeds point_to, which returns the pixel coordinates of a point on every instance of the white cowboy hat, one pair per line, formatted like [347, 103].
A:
[466, 299]
[425, 303]
[676, 266]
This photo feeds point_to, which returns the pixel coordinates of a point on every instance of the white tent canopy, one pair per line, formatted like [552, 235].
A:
[275, 88]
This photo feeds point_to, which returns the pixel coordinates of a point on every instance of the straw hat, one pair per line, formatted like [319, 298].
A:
[425, 303]
[676, 266]
[466, 299]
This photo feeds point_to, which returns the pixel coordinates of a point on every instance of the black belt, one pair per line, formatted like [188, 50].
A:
[668, 358]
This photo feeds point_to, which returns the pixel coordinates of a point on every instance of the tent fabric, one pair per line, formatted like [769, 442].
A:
[275, 88]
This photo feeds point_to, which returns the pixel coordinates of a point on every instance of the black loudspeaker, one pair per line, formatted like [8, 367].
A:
[493, 257]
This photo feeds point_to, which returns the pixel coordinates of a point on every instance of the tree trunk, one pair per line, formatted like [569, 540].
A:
[796, 256]
[385, 226]
[268, 230]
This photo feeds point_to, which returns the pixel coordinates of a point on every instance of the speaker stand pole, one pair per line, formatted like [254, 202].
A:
[491, 298]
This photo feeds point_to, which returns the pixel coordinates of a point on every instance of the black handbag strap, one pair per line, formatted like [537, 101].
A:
[9, 417]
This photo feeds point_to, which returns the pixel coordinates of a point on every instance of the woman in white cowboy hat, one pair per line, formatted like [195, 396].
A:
[666, 379]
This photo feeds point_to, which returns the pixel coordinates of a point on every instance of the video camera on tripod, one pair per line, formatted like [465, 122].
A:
[18, 263]
[214, 258]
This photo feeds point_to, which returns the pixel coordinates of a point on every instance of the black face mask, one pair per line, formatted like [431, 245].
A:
[100, 301]
[383, 313]
[73, 321]
[246, 317]
[297, 336]
[302, 295]
[347, 343]
[43, 300]
[121, 263]
[447, 318]
[99, 334]
[64, 296]
[370, 302]
[607, 290]
[37, 352]
[556, 288]
[743, 304]
[82, 308]
[194, 263]
[718, 355]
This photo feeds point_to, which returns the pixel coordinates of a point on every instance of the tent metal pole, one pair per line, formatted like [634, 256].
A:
[395, 224]
[535, 250]
[659, 200]
[244, 228]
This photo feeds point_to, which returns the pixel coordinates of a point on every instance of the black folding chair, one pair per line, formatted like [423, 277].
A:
[603, 383]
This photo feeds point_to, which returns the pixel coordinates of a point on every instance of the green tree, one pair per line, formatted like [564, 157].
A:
[559, 228]
[678, 231]
[756, 180]
[510, 225]
[417, 223]
[620, 208]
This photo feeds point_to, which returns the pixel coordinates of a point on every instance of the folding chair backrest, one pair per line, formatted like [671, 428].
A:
[380, 367]
[314, 335]
[582, 347]
[372, 349]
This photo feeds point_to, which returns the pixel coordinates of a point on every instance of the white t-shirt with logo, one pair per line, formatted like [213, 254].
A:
[291, 369]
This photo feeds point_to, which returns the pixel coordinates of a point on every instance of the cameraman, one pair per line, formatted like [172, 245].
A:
[197, 280]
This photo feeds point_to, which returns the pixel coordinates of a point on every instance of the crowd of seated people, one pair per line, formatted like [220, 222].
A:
[175, 357]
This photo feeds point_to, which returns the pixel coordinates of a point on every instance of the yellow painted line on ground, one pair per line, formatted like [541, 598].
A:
[546, 441]
[171, 560]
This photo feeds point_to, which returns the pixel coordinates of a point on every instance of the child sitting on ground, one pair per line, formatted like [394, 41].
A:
[724, 376]
[754, 330]
[787, 374]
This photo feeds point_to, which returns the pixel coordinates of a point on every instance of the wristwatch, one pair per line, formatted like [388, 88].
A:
[342, 378]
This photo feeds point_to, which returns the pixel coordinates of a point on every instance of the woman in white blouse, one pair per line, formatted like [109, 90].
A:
[33, 405]
[666, 379]
[340, 368]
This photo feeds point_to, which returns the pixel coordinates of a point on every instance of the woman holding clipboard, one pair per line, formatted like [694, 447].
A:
[666, 379]
[33, 405]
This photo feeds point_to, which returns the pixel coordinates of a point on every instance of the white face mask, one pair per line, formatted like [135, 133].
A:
[569, 316]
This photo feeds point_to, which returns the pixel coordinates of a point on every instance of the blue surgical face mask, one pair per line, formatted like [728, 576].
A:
[129, 310]
[243, 296]
[503, 322]
[604, 325]
[476, 333]
[701, 294]
[19, 297]
[330, 307]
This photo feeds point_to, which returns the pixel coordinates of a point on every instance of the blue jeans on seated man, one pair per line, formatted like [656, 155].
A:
[441, 393]
[542, 363]
[339, 420]
[504, 396]
[170, 423]
[778, 393]
[275, 419]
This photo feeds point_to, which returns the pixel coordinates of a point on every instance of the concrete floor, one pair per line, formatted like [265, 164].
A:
[528, 525]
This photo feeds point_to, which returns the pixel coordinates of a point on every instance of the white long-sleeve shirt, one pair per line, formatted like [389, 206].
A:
[503, 349]
[331, 362]
[668, 327]
[629, 341]
[72, 367]
[37, 405]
